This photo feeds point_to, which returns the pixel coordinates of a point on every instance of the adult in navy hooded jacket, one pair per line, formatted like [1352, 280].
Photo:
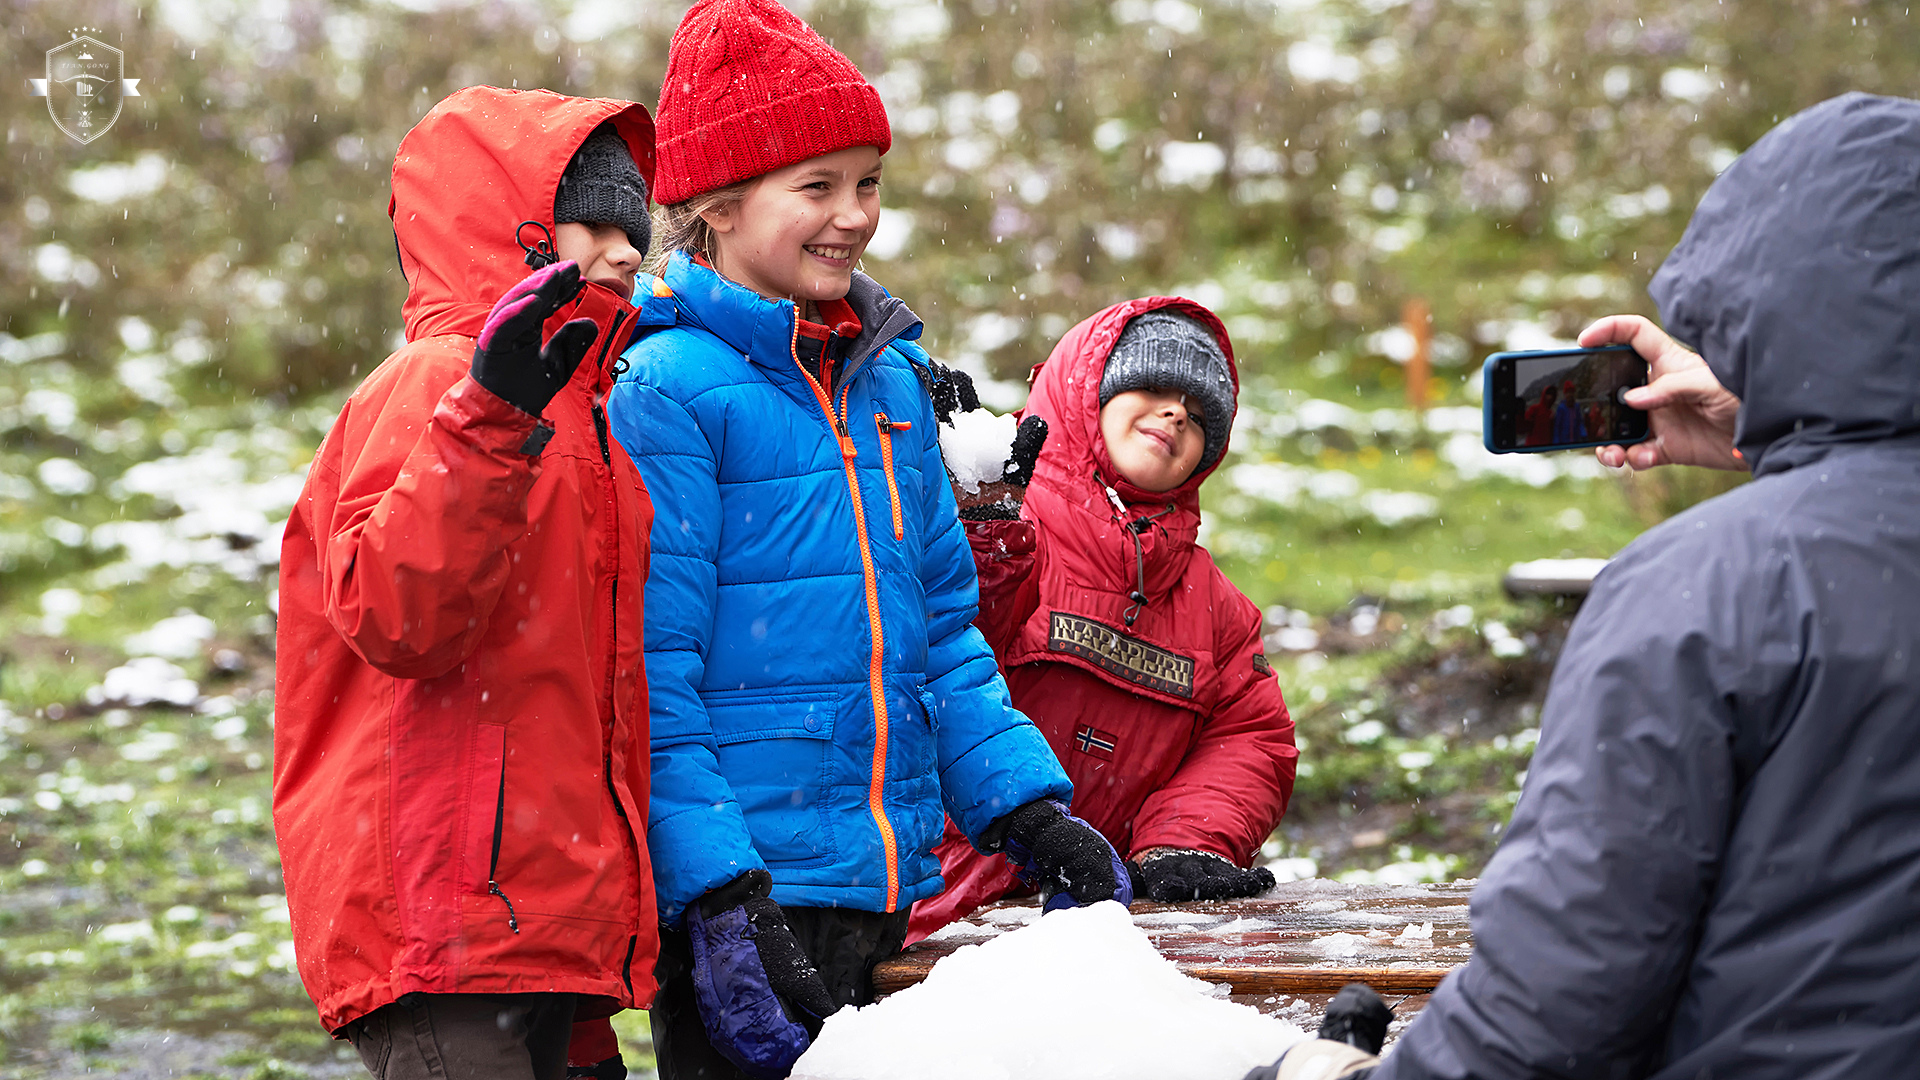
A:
[1714, 870]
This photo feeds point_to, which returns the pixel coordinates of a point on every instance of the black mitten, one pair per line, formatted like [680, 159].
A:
[1027, 441]
[1176, 875]
[1358, 1017]
[952, 391]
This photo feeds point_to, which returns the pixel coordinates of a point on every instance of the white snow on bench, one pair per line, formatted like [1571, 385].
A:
[1077, 995]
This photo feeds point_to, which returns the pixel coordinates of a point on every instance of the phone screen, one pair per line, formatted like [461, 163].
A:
[1562, 398]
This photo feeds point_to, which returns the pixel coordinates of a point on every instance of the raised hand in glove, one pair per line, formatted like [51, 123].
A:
[1175, 875]
[1066, 857]
[989, 461]
[752, 983]
[511, 360]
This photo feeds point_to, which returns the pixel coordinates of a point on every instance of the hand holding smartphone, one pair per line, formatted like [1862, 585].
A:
[1561, 399]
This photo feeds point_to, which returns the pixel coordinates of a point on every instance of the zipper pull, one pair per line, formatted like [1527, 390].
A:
[493, 889]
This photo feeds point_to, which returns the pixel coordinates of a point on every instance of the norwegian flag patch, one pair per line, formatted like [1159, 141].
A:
[1091, 740]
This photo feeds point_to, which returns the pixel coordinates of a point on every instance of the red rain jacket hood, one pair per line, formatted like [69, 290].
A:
[1172, 728]
[461, 722]
[481, 162]
[1074, 463]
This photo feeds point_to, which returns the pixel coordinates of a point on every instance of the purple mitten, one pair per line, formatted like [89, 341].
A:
[510, 359]
[1070, 861]
[747, 969]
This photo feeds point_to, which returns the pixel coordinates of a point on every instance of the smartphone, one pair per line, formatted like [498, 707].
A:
[1558, 399]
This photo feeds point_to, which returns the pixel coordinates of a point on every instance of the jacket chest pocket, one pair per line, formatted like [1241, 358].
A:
[778, 754]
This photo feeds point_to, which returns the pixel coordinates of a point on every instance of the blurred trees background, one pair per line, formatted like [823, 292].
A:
[1304, 166]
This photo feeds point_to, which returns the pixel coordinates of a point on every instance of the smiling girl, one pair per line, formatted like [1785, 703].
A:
[819, 697]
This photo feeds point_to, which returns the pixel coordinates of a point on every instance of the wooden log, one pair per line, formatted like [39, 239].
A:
[907, 969]
[1266, 945]
[1319, 980]
[910, 968]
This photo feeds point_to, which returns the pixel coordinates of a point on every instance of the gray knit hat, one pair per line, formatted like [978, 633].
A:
[1172, 351]
[602, 186]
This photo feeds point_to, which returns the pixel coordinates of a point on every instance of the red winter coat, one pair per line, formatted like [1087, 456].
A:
[1173, 731]
[460, 744]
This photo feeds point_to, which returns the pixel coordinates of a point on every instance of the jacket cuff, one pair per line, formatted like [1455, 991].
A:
[489, 420]
[752, 885]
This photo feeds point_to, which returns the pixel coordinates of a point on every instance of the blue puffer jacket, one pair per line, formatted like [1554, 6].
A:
[819, 695]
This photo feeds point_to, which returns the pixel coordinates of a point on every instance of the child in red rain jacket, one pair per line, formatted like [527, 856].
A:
[461, 772]
[1118, 635]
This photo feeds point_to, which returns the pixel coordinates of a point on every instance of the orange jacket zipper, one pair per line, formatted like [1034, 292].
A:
[875, 685]
[887, 428]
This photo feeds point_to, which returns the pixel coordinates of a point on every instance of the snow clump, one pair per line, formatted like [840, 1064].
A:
[145, 680]
[1066, 997]
[975, 446]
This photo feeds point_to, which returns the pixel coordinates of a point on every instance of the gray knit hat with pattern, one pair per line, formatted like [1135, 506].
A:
[1171, 351]
[602, 186]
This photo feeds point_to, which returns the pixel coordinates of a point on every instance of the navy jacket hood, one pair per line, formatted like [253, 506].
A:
[1798, 280]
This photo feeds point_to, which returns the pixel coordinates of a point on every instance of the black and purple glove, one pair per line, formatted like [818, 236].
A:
[750, 977]
[1176, 875]
[511, 360]
[1067, 858]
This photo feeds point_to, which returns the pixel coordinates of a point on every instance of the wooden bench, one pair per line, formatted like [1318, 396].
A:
[1284, 953]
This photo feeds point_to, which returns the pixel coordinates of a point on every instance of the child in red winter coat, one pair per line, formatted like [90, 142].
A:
[1117, 634]
[461, 769]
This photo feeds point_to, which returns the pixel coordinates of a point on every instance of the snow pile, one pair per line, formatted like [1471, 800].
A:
[1075, 996]
[1293, 486]
[145, 680]
[975, 446]
[1415, 934]
[183, 636]
[1339, 946]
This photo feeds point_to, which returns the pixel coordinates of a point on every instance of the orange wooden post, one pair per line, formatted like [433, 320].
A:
[1417, 318]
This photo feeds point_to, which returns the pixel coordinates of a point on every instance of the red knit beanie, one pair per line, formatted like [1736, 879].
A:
[750, 89]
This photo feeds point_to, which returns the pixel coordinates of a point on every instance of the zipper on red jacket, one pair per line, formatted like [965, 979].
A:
[876, 686]
[887, 428]
[493, 864]
[613, 613]
[613, 620]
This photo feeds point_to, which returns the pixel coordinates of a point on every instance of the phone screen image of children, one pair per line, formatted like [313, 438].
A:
[1569, 400]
